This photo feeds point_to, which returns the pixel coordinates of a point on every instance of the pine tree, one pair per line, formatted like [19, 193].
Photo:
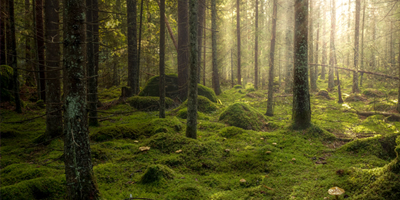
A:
[270, 111]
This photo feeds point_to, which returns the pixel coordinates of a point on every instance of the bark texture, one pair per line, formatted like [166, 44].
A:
[362, 43]
[256, 50]
[54, 126]
[12, 51]
[313, 82]
[133, 68]
[356, 47]
[3, 21]
[80, 180]
[289, 48]
[200, 17]
[191, 128]
[270, 111]
[29, 80]
[332, 46]
[215, 75]
[239, 76]
[183, 48]
[40, 49]
[301, 114]
[324, 43]
[398, 97]
[162, 60]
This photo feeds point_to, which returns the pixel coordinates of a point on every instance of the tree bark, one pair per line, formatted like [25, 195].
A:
[140, 43]
[8, 40]
[239, 76]
[324, 42]
[40, 49]
[29, 80]
[183, 48]
[317, 49]
[80, 180]
[256, 50]
[356, 47]
[3, 21]
[332, 45]
[301, 98]
[54, 126]
[162, 60]
[13, 55]
[133, 70]
[362, 43]
[200, 27]
[289, 49]
[215, 75]
[204, 49]
[270, 111]
[311, 48]
[191, 128]
[340, 99]
[398, 97]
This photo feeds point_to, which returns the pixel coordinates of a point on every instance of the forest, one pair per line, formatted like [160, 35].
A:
[200, 99]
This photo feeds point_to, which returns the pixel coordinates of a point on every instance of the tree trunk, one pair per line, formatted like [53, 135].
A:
[324, 42]
[398, 98]
[256, 51]
[54, 126]
[29, 81]
[191, 128]
[270, 111]
[183, 48]
[215, 75]
[356, 47]
[301, 98]
[133, 70]
[13, 54]
[373, 64]
[3, 21]
[332, 46]
[140, 44]
[200, 27]
[80, 180]
[239, 76]
[348, 34]
[362, 43]
[40, 49]
[317, 49]
[162, 60]
[311, 50]
[8, 40]
[204, 49]
[339, 86]
[289, 49]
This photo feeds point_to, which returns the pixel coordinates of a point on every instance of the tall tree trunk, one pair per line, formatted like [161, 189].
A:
[324, 43]
[289, 48]
[362, 42]
[3, 21]
[204, 49]
[183, 48]
[133, 70]
[270, 111]
[310, 47]
[256, 50]
[373, 64]
[40, 48]
[13, 54]
[54, 126]
[8, 32]
[162, 60]
[191, 128]
[80, 180]
[339, 85]
[332, 45]
[301, 114]
[200, 27]
[398, 97]
[140, 43]
[29, 81]
[91, 64]
[239, 76]
[215, 75]
[356, 47]
[348, 34]
[317, 49]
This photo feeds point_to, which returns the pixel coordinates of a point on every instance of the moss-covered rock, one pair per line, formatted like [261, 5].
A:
[203, 105]
[231, 131]
[16, 173]
[323, 94]
[393, 93]
[243, 116]
[373, 93]
[381, 106]
[186, 192]
[251, 89]
[156, 173]
[116, 132]
[354, 98]
[207, 92]
[149, 103]
[38, 188]
[238, 86]
[182, 113]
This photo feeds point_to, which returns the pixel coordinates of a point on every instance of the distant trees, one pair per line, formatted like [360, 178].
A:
[215, 76]
[239, 76]
[256, 49]
[40, 49]
[270, 111]
[12, 53]
[332, 46]
[355, 88]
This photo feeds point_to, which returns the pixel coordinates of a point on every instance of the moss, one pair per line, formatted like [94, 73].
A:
[115, 132]
[40, 104]
[170, 142]
[207, 92]
[373, 93]
[230, 131]
[182, 113]
[252, 89]
[354, 98]
[393, 93]
[6, 73]
[161, 125]
[38, 188]
[149, 103]
[155, 173]
[9, 133]
[187, 192]
[152, 86]
[110, 93]
[203, 105]
[324, 94]
[238, 87]
[381, 106]
[243, 116]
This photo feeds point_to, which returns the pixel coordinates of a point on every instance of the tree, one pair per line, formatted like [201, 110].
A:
[398, 98]
[40, 49]
[53, 85]
[215, 76]
[191, 128]
[183, 48]
[324, 43]
[301, 114]
[316, 50]
[362, 42]
[200, 26]
[313, 81]
[133, 69]
[92, 61]
[289, 48]
[270, 111]
[356, 47]
[80, 180]
[162, 60]
[256, 50]
[12, 51]
[332, 46]
[29, 81]
[239, 77]
[3, 21]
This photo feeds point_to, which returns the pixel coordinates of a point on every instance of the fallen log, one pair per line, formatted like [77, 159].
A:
[392, 116]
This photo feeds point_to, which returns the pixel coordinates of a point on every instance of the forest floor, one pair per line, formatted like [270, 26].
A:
[274, 163]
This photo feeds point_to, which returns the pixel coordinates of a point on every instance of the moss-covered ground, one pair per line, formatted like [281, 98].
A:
[341, 149]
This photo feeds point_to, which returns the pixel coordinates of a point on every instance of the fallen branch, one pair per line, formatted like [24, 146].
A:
[393, 116]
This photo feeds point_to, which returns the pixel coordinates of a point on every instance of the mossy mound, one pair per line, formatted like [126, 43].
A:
[315, 132]
[393, 93]
[381, 106]
[231, 131]
[170, 142]
[16, 173]
[250, 89]
[156, 173]
[238, 86]
[380, 146]
[149, 103]
[115, 132]
[324, 94]
[38, 188]
[9, 133]
[373, 93]
[186, 192]
[354, 98]
[182, 113]
[243, 116]
[161, 125]
[203, 105]
[171, 88]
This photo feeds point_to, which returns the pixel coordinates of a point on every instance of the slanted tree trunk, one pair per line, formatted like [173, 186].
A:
[162, 60]
[362, 43]
[215, 75]
[80, 180]
[183, 48]
[356, 47]
[239, 76]
[311, 50]
[40, 49]
[200, 27]
[54, 126]
[3, 21]
[191, 128]
[133, 70]
[270, 111]
[301, 114]
[256, 50]
[332, 46]
[13, 54]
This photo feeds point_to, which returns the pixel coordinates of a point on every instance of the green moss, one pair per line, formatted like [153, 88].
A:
[156, 173]
[207, 92]
[393, 93]
[152, 86]
[9, 133]
[243, 116]
[373, 93]
[115, 132]
[182, 113]
[170, 142]
[38, 188]
[16, 173]
[230, 131]
[149, 103]
[6, 73]
[251, 89]
[186, 192]
[354, 98]
[324, 94]
[40, 104]
[238, 87]
[203, 105]
[381, 106]
[110, 93]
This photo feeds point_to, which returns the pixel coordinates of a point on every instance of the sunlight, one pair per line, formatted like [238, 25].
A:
[346, 105]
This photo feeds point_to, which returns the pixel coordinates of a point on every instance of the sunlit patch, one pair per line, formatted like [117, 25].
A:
[345, 94]
[346, 105]
[395, 101]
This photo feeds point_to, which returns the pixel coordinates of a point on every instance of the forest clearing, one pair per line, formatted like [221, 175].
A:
[200, 99]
